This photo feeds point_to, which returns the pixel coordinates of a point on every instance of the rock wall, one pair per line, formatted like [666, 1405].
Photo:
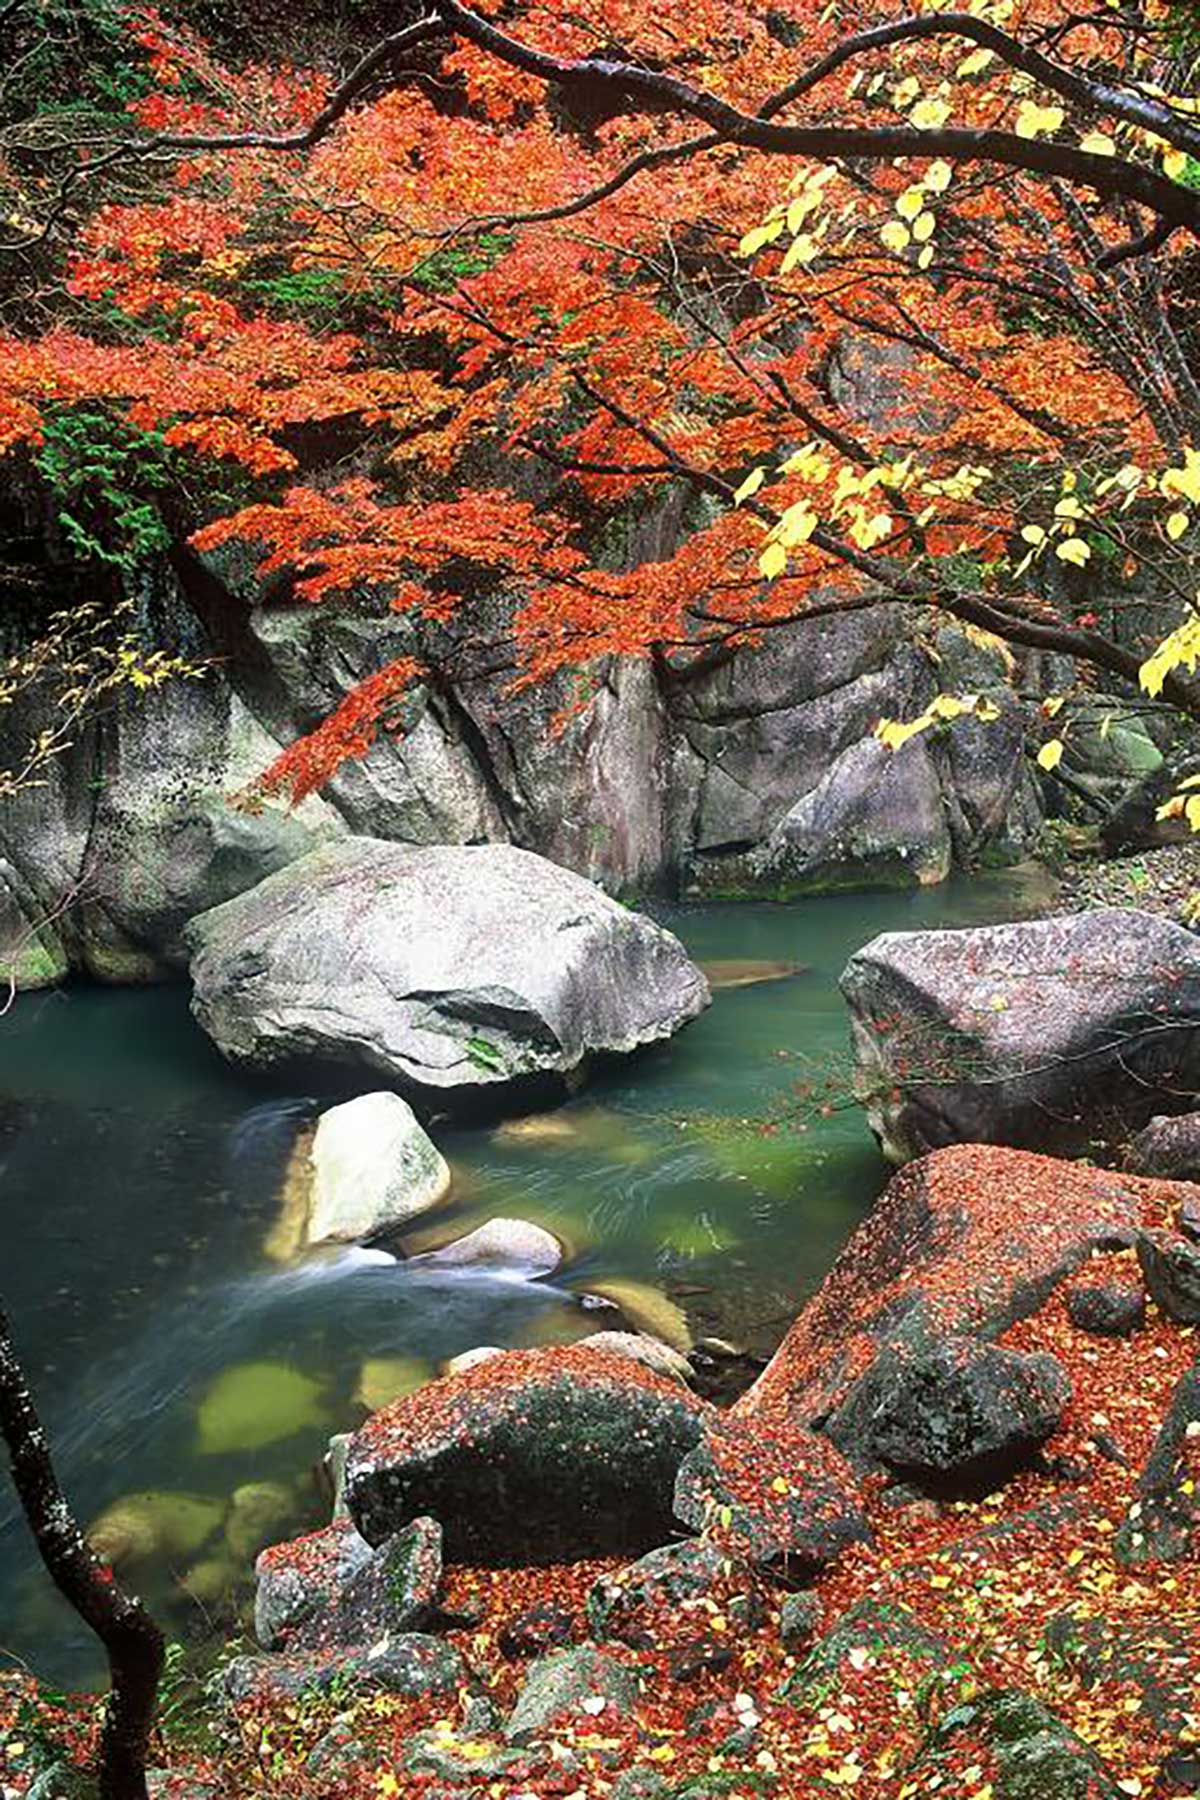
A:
[757, 775]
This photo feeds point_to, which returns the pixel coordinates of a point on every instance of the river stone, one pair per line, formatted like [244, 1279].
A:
[301, 1580]
[410, 1665]
[1163, 1522]
[769, 1490]
[656, 1355]
[440, 967]
[1047, 1034]
[962, 1243]
[510, 1246]
[1171, 1270]
[1167, 1146]
[535, 1456]
[1107, 1309]
[666, 1599]
[957, 1413]
[393, 1590]
[557, 1686]
[258, 1511]
[374, 1168]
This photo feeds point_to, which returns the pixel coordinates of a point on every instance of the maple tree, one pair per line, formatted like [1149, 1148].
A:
[457, 318]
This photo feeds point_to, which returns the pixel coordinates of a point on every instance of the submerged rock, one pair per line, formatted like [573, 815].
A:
[647, 1309]
[384, 1378]
[257, 1513]
[373, 1169]
[748, 971]
[156, 1523]
[442, 967]
[257, 1403]
[533, 1456]
[656, 1355]
[1049, 1034]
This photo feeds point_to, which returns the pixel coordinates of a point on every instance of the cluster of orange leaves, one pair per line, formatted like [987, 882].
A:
[631, 340]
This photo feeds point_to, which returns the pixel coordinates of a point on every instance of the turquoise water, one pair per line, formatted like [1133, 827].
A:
[140, 1179]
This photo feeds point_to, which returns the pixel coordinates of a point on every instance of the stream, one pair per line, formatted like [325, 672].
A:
[140, 1179]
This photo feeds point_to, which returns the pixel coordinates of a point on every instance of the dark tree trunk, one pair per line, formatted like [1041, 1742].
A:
[132, 1640]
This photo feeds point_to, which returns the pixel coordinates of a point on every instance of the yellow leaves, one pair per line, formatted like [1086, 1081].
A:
[387, 1785]
[1033, 534]
[895, 236]
[1177, 524]
[662, 1753]
[1038, 121]
[924, 228]
[750, 486]
[797, 525]
[1050, 755]
[780, 1486]
[1181, 650]
[929, 115]
[760, 236]
[974, 64]
[895, 733]
[911, 202]
[869, 529]
[1098, 143]
[1074, 550]
[1185, 481]
[938, 177]
[773, 560]
[1174, 164]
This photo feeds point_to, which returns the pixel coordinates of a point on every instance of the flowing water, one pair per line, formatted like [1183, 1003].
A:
[140, 1178]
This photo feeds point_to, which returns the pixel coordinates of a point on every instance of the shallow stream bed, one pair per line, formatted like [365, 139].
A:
[140, 1180]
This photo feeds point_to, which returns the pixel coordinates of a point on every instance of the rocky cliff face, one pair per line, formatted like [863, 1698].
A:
[754, 776]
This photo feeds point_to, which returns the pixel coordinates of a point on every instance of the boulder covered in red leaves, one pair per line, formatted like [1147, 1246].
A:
[534, 1456]
[1048, 1034]
[1163, 1523]
[301, 1580]
[771, 1491]
[962, 1245]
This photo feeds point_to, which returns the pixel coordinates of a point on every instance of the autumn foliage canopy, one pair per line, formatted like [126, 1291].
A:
[863, 305]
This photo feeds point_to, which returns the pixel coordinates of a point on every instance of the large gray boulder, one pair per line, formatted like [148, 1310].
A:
[876, 820]
[1048, 1035]
[439, 967]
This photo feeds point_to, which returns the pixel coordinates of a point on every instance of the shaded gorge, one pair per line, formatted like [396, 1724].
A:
[141, 1181]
